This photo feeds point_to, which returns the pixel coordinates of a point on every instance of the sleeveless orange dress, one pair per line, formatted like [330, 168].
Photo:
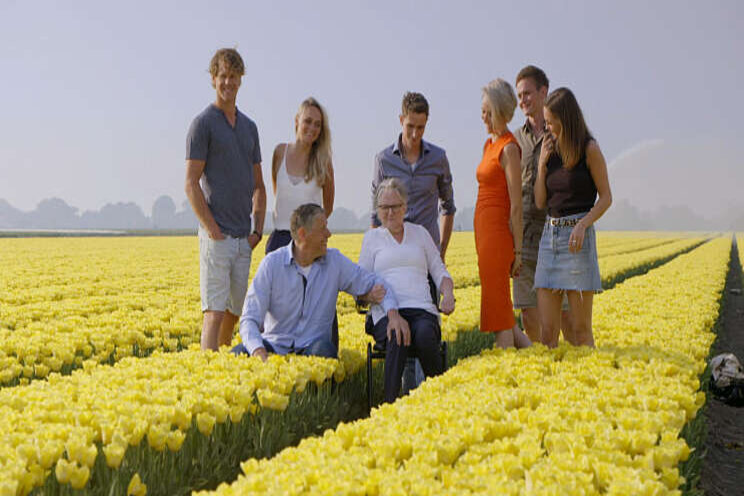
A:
[493, 238]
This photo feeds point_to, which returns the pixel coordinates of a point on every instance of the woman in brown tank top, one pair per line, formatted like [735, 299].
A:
[571, 174]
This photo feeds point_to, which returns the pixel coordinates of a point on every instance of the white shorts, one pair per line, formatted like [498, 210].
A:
[224, 267]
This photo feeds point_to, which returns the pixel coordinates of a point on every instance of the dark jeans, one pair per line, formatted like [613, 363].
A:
[412, 373]
[279, 238]
[426, 337]
[320, 347]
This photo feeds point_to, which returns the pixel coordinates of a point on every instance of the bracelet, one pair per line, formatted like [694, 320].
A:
[257, 234]
[517, 252]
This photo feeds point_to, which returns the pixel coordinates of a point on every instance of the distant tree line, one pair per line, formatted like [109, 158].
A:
[54, 213]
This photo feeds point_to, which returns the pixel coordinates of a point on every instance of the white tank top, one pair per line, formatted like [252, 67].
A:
[289, 196]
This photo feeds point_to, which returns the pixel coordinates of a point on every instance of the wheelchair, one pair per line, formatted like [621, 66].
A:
[377, 352]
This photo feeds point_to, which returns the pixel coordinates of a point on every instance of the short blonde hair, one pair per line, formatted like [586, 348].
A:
[501, 100]
[392, 184]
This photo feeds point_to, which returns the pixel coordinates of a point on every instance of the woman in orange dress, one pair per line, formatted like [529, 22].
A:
[498, 216]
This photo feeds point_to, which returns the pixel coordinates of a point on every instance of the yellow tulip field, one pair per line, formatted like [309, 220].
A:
[538, 421]
[68, 300]
[103, 388]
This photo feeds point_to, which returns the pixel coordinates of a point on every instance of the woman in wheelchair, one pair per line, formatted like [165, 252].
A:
[404, 255]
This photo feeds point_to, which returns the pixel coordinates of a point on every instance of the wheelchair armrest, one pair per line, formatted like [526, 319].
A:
[361, 308]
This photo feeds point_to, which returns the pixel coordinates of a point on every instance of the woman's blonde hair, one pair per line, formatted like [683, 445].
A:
[574, 133]
[318, 164]
[501, 100]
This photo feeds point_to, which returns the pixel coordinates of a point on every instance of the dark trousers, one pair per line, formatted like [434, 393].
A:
[279, 238]
[426, 336]
[412, 374]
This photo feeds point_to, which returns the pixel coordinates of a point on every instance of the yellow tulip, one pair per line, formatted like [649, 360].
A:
[175, 439]
[114, 453]
[79, 476]
[156, 437]
[136, 487]
[8, 487]
[63, 470]
[205, 423]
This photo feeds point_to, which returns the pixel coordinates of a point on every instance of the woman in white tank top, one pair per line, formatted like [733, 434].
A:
[302, 171]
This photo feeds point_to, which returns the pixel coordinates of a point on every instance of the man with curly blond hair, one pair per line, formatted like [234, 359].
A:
[225, 187]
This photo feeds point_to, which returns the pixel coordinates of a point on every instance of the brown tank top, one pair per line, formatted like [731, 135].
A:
[570, 191]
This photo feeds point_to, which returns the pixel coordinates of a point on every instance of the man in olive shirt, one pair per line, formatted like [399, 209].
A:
[532, 90]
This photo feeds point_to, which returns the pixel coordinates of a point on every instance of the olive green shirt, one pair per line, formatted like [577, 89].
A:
[533, 218]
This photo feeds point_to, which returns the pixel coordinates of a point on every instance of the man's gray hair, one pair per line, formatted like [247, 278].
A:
[303, 216]
[392, 183]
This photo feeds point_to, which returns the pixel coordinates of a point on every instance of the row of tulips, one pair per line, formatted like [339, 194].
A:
[86, 425]
[616, 242]
[615, 268]
[110, 298]
[67, 300]
[536, 421]
[618, 246]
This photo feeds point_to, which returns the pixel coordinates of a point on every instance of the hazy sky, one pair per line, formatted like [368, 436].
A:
[96, 97]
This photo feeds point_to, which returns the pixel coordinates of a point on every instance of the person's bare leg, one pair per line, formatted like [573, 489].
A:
[531, 323]
[227, 328]
[580, 303]
[520, 338]
[567, 327]
[505, 339]
[211, 330]
[549, 308]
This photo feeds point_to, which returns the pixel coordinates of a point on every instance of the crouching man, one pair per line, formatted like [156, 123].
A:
[293, 294]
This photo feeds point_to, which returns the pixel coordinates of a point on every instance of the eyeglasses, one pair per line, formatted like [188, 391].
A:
[390, 208]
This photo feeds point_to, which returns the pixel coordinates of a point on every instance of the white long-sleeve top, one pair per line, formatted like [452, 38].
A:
[404, 266]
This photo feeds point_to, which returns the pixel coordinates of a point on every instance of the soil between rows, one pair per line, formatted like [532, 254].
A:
[723, 462]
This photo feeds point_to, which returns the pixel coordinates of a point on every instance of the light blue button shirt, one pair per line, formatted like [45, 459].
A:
[294, 314]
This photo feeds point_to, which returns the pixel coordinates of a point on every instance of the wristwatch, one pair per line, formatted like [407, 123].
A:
[257, 234]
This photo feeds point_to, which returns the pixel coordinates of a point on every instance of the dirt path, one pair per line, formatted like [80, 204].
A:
[723, 465]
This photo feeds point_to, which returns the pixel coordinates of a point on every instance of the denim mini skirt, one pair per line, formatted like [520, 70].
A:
[557, 268]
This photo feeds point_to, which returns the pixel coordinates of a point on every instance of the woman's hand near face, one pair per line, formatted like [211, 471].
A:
[547, 149]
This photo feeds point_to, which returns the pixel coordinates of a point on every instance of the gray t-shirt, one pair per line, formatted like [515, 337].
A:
[229, 154]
